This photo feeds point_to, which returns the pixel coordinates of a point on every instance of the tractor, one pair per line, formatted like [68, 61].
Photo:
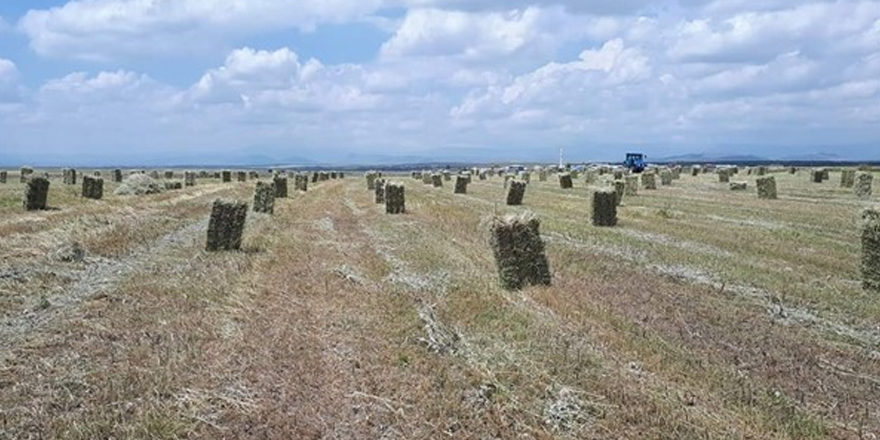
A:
[635, 162]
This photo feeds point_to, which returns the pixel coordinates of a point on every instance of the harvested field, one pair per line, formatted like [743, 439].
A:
[704, 313]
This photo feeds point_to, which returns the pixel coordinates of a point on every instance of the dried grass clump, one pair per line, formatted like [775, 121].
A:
[395, 198]
[226, 225]
[565, 181]
[264, 198]
[863, 183]
[138, 185]
[519, 251]
[461, 184]
[649, 180]
[36, 193]
[379, 191]
[24, 173]
[766, 187]
[280, 183]
[847, 178]
[605, 207]
[870, 263]
[92, 187]
[739, 186]
[516, 190]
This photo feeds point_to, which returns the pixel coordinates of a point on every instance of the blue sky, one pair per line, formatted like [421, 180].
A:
[127, 81]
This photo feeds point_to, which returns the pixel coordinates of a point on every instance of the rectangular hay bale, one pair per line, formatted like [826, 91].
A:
[766, 187]
[395, 198]
[226, 226]
[264, 197]
[519, 251]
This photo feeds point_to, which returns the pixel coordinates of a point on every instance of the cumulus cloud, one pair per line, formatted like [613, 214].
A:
[10, 87]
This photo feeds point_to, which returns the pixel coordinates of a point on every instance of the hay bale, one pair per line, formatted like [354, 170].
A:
[766, 187]
[437, 180]
[379, 191]
[519, 251]
[632, 186]
[516, 190]
[847, 178]
[36, 193]
[301, 182]
[117, 175]
[618, 174]
[676, 172]
[738, 186]
[863, 184]
[447, 176]
[816, 176]
[649, 181]
[92, 187]
[226, 176]
[426, 178]
[264, 198]
[665, 177]
[324, 176]
[525, 176]
[253, 175]
[173, 186]
[226, 225]
[189, 178]
[137, 185]
[605, 207]
[280, 183]
[542, 175]
[241, 176]
[333, 175]
[315, 177]
[154, 175]
[620, 190]
[371, 176]
[24, 174]
[825, 174]
[870, 264]
[395, 200]
[792, 170]
[169, 175]
[565, 181]
[761, 171]
[3, 176]
[68, 176]
[461, 184]
[695, 171]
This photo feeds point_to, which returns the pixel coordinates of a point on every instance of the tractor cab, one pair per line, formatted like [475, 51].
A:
[635, 162]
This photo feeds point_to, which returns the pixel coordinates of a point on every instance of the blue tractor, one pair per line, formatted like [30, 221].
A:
[635, 162]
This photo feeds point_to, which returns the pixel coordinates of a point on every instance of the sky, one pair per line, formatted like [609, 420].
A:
[357, 81]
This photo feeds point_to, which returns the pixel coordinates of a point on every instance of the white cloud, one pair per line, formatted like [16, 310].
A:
[10, 87]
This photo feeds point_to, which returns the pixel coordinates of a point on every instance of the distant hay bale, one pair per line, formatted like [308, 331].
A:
[676, 172]
[766, 187]
[632, 186]
[426, 178]
[280, 183]
[138, 185]
[117, 175]
[416, 175]
[724, 175]
[301, 182]
[565, 181]
[379, 191]
[865, 168]
[447, 176]
[316, 176]
[695, 171]
[649, 181]
[173, 186]
[542, 175]
[847, 178]
[371, 177]
[169, 175]
[482, 175]
[241, 176]
[189, 178]
[395, 200]
[620, 190]
[36, 193]
[264, 197]
[3, 176]
[618, 174]
[761, 171]
[575, 174]
[461, 184]
[816, 176]
[24, 173]
[825, 174]
[226, 225]
[870, 264]
[253, 175]
[739, 186]
[92, 187]
[863, 184]
[525, 176]
[323, 176]
[333, 175]
[519, 251]
[792, 170]
[591, 176]
[437, 180]
[226, 176]
[516, 190]
[154, 175]
[68, 176]
[665, 177]
[605, 207]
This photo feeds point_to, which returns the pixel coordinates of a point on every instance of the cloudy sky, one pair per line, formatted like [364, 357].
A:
[115, 81]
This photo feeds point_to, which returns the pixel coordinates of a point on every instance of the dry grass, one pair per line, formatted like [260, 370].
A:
[705, 313]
